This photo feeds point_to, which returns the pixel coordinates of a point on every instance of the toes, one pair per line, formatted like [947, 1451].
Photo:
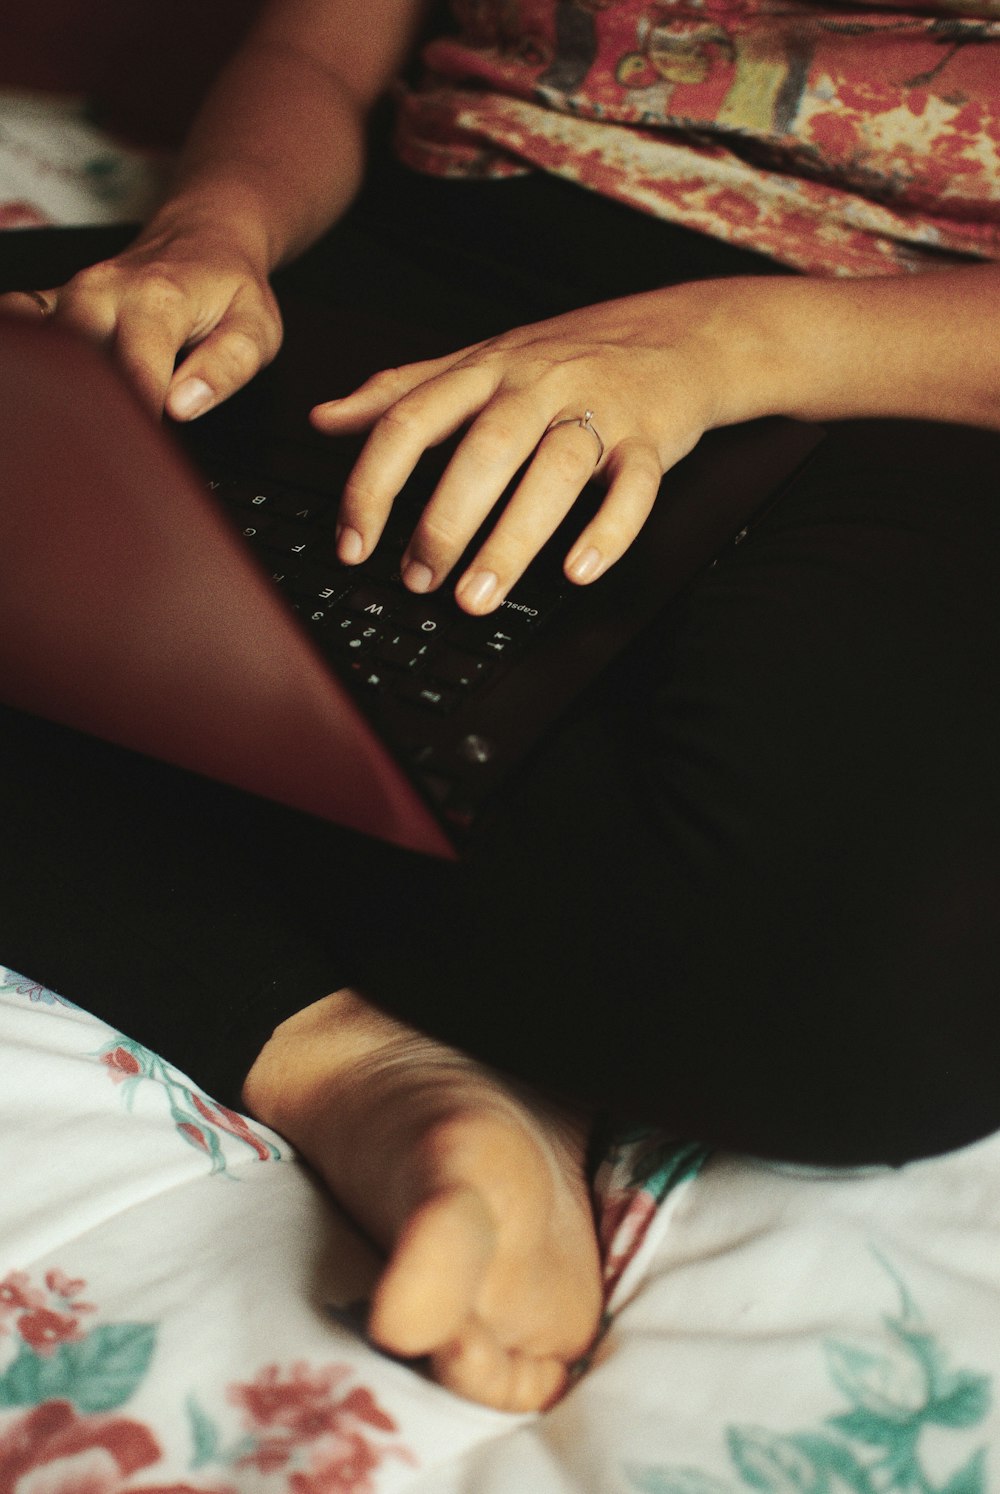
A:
[428, 1290]
[476, 1365]
[429, 1303]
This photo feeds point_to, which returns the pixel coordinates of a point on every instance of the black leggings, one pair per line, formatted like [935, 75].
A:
[749, 890]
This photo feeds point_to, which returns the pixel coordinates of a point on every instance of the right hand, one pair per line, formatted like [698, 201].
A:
[173, 290]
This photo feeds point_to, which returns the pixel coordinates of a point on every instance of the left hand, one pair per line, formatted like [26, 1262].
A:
[654, 370]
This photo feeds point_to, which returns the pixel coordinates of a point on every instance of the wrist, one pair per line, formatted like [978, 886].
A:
[751, 345]
[818, 348]
[210, 216]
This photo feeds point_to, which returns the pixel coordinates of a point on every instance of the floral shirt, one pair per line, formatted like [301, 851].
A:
[833, 138]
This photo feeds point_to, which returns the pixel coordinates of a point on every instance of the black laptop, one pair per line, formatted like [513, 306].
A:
[189, 604]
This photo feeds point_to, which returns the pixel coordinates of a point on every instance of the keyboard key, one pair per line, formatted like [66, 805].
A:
[256, 525]
[243, 495]
[401, 650]
[372, 676]
[347, 632]
[284, 576]
[293, 539]
[416, 615]
[524, 610]
[482, 636]
[452, 666]
[434, 697]
[306, 508]
[373, 601]
[321, 581]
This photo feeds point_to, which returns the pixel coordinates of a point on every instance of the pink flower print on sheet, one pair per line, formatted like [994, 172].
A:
[43, 1319]
[44, 1330]
[234, 1124]
[306, 1427]
[198, 1121]
[19, 214]
[54, 1450]
[16, 1292]
[121, 1064]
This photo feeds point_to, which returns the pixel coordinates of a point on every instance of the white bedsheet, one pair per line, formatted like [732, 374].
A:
[177, 1301]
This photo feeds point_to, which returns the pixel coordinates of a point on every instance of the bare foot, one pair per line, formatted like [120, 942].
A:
[476, 1193]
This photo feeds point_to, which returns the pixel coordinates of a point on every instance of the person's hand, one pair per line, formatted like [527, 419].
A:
[652, 369]
[168, 292]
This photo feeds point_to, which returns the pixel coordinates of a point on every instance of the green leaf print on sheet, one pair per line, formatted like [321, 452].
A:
[894, 1394]
[98, 1374]
[57, 1358]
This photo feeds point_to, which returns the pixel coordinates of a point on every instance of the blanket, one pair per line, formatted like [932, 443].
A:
[182, 1309]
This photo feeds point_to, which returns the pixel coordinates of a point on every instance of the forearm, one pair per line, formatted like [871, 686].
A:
[274, 180]
[924, 347]
[277, 151]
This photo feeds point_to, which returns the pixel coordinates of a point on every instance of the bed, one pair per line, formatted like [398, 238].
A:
[181, 1308]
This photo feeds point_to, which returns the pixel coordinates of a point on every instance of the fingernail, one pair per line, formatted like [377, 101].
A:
[350, 545]
[417, 576]
[477, 588]
[190, 398]
[586, 565]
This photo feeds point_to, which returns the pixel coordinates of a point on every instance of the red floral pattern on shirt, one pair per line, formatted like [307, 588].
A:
[831, 138]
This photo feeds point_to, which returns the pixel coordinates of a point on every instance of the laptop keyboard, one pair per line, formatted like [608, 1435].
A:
[423, 651]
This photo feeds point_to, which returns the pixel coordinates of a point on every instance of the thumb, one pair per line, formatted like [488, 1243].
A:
[226, 359]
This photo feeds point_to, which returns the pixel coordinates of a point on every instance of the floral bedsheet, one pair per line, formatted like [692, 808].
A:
[180, 1309]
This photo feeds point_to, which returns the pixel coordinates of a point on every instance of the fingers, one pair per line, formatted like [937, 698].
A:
[413, 412]
[30, 304]
[416, 407]
[146, 313]
[419, 406]
[518, 395]
[363, 406]
[245, 340]
[145, 341]
[562, 466]
[635, 475]
[233, 340]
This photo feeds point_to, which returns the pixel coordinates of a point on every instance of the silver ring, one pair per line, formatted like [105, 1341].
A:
[44, 305]
[586, 423]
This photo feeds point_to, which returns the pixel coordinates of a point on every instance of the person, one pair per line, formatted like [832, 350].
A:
[754, 903]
